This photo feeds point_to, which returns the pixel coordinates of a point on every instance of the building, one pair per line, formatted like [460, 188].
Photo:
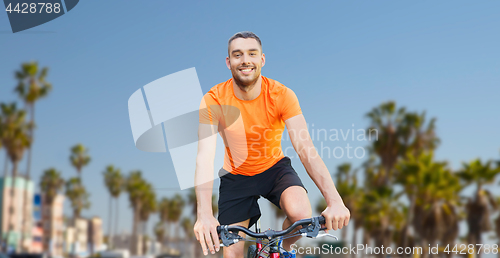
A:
[75, 237]
[95, 234]
[68, 240]
[37, 208]
[53, 226]
[11, 224]
[37, 241]
[81, 235]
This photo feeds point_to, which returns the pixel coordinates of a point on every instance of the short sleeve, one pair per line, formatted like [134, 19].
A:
[289, 105]
[210, 111]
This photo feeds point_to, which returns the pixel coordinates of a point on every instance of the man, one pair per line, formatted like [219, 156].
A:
[250, 112]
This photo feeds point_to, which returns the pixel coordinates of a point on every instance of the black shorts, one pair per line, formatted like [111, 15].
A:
[238, 194]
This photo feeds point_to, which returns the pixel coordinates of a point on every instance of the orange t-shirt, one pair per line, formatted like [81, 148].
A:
[251, 129]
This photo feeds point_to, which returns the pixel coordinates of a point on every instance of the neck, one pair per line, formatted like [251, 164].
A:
[248, 92]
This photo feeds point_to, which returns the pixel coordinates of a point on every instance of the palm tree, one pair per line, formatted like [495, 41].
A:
[16, 139]
[79, 198]
[400, 133]
[6, 164]
[436, 216]
[147, 209]
[381, 210]
[79, 158]
[159, 231]
[114, 182]
[176, 206]
[51, 184]
[479, 207]
[384, 123]
[31, 87]
[137, 189]
[415, 137]
[192, 200]
[356, 216]
[497, 227]
[187, 226]
[163, 208]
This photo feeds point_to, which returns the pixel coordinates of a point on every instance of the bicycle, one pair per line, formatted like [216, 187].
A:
[266, 243]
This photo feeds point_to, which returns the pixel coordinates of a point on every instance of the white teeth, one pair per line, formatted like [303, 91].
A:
[246, 70]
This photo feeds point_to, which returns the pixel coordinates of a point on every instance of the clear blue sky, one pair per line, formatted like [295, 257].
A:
[341, 58]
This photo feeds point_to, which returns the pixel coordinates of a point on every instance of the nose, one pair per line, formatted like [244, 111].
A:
[245, 59]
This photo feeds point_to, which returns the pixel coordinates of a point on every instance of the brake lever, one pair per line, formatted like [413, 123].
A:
[327, 235]
[228, 238]
[312, 230]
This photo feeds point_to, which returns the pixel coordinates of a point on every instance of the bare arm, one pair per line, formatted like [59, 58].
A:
[336, 213]
[207, 135]
[205, 227]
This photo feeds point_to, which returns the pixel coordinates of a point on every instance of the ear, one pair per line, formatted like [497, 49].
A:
[263, 59]
[228, 63]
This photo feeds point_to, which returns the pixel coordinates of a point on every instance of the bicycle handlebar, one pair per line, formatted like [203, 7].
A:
[272, 233]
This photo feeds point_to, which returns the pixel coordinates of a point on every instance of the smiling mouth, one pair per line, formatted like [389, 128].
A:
[246, 70]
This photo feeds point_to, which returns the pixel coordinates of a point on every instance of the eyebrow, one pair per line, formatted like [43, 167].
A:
[239, 50]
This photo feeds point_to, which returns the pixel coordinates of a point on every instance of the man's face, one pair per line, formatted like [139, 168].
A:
[245, 61]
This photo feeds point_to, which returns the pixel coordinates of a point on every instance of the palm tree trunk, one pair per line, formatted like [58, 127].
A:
[344, 234]
[409, 219]
[366, 240]
[12, 204]
[5, 175]
[165, 234]
[6, 165]
[177, 230]
[49, 235]
[6, 213]
[110, 214]
[135, 226]
[425, 250]
[354, 237]
[25, 213]
[77, 244]
[117, 200]
[144, 233]
[28, 176]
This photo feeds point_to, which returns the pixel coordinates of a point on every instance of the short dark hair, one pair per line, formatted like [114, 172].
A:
[245, 35]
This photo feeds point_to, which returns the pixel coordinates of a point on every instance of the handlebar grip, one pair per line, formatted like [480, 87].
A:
[218, 229]
[321, 220]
